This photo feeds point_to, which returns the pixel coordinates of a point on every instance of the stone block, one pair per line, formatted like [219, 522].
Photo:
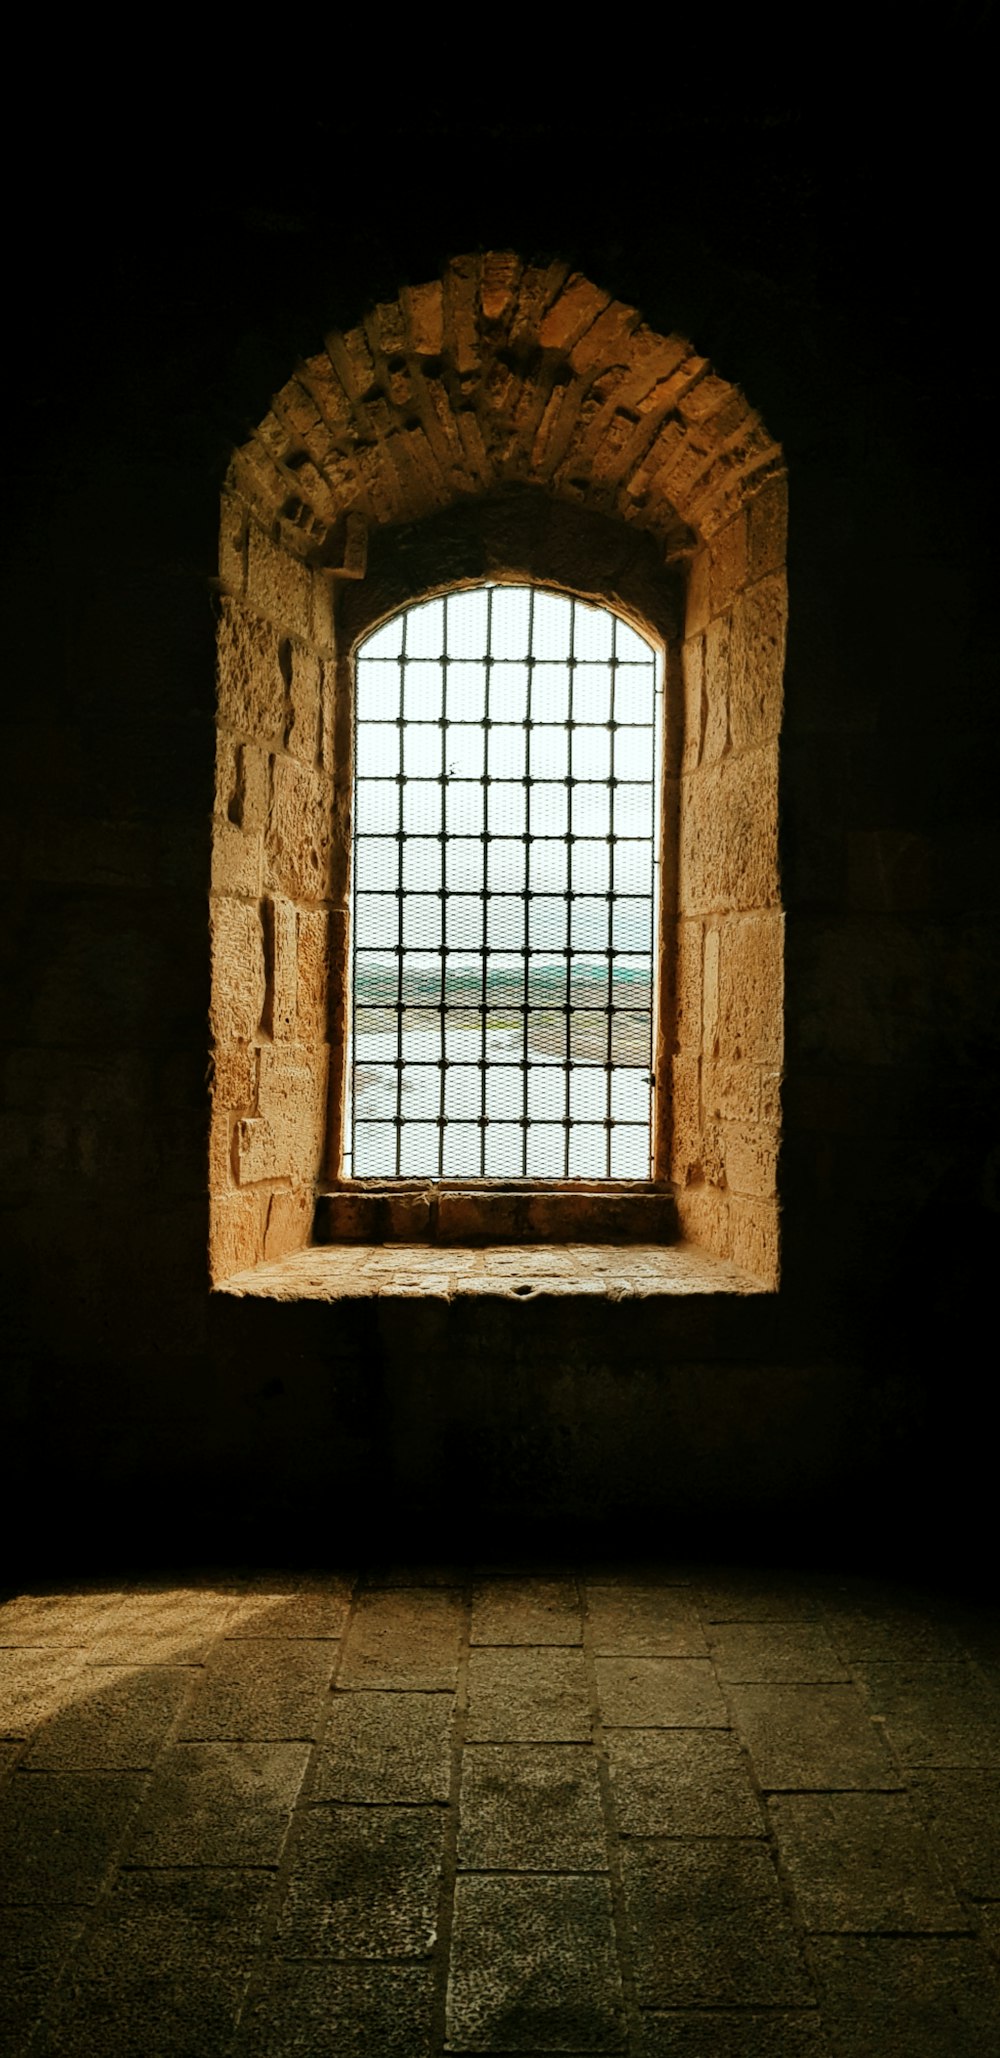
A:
[34, 1684]
[732, 1093]
[234, 1076]
[292, 1604]
[238, 985]
[313, 975]
[35, 1944]
[643, 1622]
[754, 1237]
[403, 1639]
[728, 834]
[117, 1725]
[305, 693]
[219, 1804]
[353, 2010]
[571, 313]
[962, 1812]
[220, 1150]
[681, 1782]
[529, 1696]
[531, 1808]
[685, 1136]
[289, 1221]
[232, 544]
[162, 1626]
[715, 699]
[767, 515]
[526, 1611]
[688, 989]
[703, 1216]
[60, 1832]
[281, 967]
[719, 1902]
[736, 2033]
[757, 662]
[534, 1967]
[693, 682]
[286, 1139]
[237, 860]
[266, 1689]
[811, 1736]
[907, 1997]
[751, 1155]
[297, 843]
[363, 1883]
[697, 608]
[935, 1714]
[236, 1233]
[861, 1862]
[727, 561]
[251, 689]
[659, 1693]
[278, 584]
[775, 1652]
[385, 1747]
[748, 1027]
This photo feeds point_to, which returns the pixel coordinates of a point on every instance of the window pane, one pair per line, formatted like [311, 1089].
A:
[504, 885]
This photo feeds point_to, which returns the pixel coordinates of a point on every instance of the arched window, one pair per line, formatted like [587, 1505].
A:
[506, 865]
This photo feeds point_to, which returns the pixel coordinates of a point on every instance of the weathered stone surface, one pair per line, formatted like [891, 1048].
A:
[287, 1135]
[403, 1640]
[718, 1901]
[811, 1736]
[962, 1812]
[775, 1652]
[163, 1626]
[55, 1619]
[519, 1611]
[659, 1693]
[385, 1747]
[264, 1690]
[115, 1720]
[681, 1782]
[302, 2008]
[312, 994]
[305, 689]
[34, 1683]
[60, 1832]
[289, 1221]
[531, 1696]
[715, 692]
[363, 1884]
[251, 688]
[234, 1076]
[757, 659]
[530, 1807]
[278, 584]
[749, 1019]
[237, 971]
[237, 861]
[932, 1997]
[533, 1967]
[768, 528]
[644, 1622]
[935, 1714]
[297, 842]
[741, 1596]
[727, 559]
[728, 852]
[236, 1233]
[34, 1946]
[169, 1958]
[861, 1862]
[292, 1604]
[219, 1804]
[707, 2033]
[751, 1158]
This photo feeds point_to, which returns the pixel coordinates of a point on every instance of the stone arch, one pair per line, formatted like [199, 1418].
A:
[494, 385]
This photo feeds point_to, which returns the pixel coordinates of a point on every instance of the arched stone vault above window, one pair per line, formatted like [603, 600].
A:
[512, 385]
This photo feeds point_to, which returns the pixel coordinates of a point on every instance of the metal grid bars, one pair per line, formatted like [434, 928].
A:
[504, 887]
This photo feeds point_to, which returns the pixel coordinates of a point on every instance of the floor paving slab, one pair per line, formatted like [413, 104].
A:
[526, 1611]
[775, 1653]
[364, 1883]
[292, 1605]
[883, 1630]
[935, 1714]
[681, 1782]
[708, 1926]
[157, 1626]
[384, 1747]
[961, 1810]
[315, 2009]
[218, 1804]
[11, 1751]
[811, 1736]
[531, 1807]
[533, 1967]
[118, 1721]
[61, 1619]
[269, 1689]
[902, 1997]
[651, 1693]
[742, 1596]
[646, 1622]
[988, 1917]
[737, 2034]
[403, 1639]
[531, 1696]
[163, 1969]
[388, 1577]
[35, 1944]
[60, 1831]
[861, 1862]
[34, 1684]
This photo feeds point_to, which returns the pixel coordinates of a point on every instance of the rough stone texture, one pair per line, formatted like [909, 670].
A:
[380, 1747]
[33, 1684]
[530, 1807]
[59, 1833]
[730, 1941]
[961, 1810]
[635, 1621]
[775, 1652]
[650, 1693]
[711, 2034]
[402, 1640]
[268, 1690]
[681, 1782]
[907, 1998]
[936, 1714]
[34, 1944]
[283, 1605]
[363, 1884]
[860, 1862]
[116, 1720]
[300, 2009]
[525, 1612]
[219, 1804]
[811, 1736]
[534, 1967]
[530, 1696]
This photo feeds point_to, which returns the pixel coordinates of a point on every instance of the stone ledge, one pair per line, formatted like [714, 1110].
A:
[506, 1271]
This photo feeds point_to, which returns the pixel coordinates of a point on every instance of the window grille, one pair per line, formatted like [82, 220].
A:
[504, 888]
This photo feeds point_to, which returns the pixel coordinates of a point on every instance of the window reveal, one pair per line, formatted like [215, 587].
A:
[504, 891]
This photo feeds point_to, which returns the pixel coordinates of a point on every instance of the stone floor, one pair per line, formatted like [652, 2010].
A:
[423, 1811]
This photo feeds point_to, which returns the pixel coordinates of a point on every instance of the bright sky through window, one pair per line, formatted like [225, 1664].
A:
[505, 876]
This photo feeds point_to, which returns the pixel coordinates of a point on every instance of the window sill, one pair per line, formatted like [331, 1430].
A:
[526, 1272]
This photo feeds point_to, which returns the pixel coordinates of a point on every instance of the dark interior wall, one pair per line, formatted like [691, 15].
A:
[157, 315]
